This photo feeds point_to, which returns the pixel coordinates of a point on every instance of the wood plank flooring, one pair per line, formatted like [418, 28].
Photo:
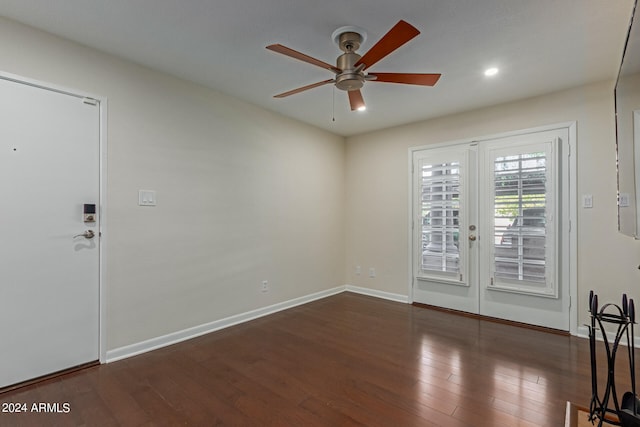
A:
[347, 360]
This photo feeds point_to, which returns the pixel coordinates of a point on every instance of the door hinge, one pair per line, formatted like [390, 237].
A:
[90, 101]
[491, 282]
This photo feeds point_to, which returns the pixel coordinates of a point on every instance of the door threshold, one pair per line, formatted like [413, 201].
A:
[44, 378]
[494, 319]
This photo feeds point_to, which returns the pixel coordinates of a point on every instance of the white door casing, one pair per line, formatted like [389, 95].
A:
[49, 279]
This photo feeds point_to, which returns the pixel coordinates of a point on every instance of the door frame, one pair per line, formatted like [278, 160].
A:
[571, 186]
[102, 176]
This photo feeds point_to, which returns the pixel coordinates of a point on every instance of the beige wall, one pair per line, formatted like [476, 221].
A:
[377, 189]
[244, 195]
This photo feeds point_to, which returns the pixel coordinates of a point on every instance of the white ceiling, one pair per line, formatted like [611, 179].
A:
[540, 46]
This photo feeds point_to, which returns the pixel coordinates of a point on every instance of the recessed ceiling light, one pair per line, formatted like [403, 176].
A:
[491, 71]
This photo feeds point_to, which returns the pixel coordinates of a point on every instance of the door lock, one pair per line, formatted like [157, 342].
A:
[89, 234]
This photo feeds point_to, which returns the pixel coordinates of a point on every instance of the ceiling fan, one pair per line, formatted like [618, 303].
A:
[350, 69]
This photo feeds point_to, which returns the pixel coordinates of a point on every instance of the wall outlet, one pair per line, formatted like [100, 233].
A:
[372, 272]
[264, 287]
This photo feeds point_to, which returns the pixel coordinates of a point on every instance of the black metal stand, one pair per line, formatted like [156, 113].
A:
[624, 318]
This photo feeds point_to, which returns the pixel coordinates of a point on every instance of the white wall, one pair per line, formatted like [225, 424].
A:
[244, 195]
[377, 186]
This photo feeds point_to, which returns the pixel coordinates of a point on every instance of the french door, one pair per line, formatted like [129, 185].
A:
[489, 230]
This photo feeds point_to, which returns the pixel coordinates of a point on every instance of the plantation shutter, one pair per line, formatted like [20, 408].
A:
[440, 179]
[523, 219]
[440, 225]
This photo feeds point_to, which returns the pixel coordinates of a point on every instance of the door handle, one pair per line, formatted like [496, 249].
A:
[472, 237]
[89, 234]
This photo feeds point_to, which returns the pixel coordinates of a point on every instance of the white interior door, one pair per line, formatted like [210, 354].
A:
[490, 227]
[49, 279]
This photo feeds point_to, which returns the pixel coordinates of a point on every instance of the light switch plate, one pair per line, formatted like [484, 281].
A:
[587, 201]
[146, 198]
[624, 200]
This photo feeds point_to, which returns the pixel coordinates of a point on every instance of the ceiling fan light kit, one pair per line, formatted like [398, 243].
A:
[350, 69]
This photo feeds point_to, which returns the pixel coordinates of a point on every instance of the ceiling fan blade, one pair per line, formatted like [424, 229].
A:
[302, 57]
[303, 88]
[406, 78]
[401, 33]
[356, 100]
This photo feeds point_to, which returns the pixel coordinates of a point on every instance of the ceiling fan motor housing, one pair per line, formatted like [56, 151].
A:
[351, 78]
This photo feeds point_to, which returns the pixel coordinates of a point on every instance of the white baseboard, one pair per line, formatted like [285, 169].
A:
[583, 332]
[378, 294]
[196, 331]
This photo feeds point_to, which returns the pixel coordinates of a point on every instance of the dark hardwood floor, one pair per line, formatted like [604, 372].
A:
[342, 361]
